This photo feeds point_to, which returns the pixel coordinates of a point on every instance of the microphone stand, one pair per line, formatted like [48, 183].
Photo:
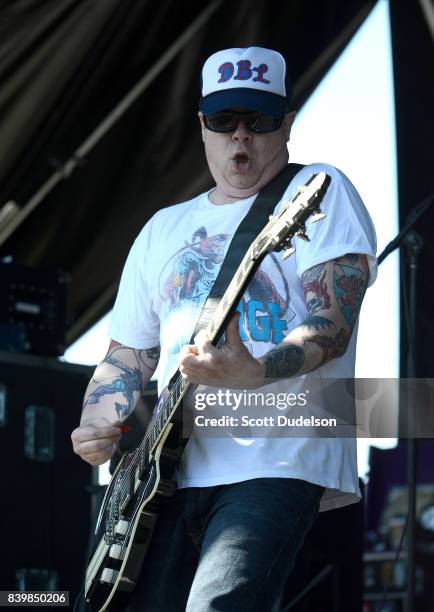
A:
[413, 244]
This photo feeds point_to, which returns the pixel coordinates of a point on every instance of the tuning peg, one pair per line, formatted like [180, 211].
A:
[288, 249]
[301, 233]
[317, 216]
[288, 252]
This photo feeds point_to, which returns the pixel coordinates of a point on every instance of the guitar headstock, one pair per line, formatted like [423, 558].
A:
[292, 218]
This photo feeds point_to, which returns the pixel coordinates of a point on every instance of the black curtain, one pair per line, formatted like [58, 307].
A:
[64, 64]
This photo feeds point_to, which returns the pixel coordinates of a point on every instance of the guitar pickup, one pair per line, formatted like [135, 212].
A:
[122, 527]
[117, 551]
[109, 575]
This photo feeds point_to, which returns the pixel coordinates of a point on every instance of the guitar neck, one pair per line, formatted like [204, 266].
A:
[231, 296]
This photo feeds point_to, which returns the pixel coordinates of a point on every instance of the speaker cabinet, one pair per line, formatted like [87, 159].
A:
[44, 487]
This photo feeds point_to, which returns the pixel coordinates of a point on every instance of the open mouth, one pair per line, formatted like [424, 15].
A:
[240, 159]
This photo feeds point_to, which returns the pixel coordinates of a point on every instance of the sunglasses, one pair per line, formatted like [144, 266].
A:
[227, 121]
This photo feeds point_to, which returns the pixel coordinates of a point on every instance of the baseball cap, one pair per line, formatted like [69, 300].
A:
[252, 77]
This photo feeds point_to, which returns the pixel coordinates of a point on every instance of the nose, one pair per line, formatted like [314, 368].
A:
[241, 133]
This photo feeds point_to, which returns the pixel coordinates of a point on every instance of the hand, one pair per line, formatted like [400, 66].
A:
[95, 440]
[231, 366]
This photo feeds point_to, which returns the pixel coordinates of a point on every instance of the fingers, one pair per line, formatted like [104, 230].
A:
[188, 349]
[197, 355]
[100, 457]
[202, 341]
[203, 362]
[95, 440]
[89, 430]
[188, 365]
[197, 368]
[97, 454]
[202, 344]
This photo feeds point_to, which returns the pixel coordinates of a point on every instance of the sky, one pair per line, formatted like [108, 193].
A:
[348, 122]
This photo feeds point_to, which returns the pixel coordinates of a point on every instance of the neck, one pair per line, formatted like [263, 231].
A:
[217, 196]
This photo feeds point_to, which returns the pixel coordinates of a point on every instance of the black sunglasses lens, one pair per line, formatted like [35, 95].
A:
[221, 122]
[262, 124]
[255, 122]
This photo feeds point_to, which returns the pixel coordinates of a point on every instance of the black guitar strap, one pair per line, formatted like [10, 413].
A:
[247, 231]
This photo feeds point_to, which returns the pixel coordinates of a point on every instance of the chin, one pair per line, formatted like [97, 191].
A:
[243, 177]
[246, 182]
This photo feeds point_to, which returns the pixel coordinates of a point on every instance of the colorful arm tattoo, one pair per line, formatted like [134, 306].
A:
[349, 281]
[349, 276]
[130, 379]
[330, 320]
[315, 289]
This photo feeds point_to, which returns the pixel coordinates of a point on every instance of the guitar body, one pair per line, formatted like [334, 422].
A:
[145, 476]
[118, 558]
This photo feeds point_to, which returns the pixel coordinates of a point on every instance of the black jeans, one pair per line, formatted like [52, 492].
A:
[227, 548]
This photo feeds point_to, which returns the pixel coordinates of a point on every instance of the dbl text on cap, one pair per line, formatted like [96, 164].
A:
[254, 78]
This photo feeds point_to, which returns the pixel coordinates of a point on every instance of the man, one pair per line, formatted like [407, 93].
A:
[228, 538]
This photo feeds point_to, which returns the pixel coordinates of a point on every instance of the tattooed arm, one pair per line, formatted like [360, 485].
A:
[334, 292]
[112, 394]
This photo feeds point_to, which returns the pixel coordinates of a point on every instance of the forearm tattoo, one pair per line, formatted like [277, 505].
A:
[128, 382]
[331, 347]
[284, 362]
[149, 357]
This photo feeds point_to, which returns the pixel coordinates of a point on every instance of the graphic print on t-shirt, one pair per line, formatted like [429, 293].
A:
[265, 306]
[188, 276]
[194, 269]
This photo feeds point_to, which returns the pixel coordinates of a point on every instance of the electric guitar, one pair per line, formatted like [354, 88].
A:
[145, 476]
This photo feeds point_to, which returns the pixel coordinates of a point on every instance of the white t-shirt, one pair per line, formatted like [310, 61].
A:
[168, 274]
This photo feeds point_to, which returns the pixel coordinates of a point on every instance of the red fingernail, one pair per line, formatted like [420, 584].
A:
[125, 428]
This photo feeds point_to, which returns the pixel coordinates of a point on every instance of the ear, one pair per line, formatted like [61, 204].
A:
[202, 125]
[287, 123]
